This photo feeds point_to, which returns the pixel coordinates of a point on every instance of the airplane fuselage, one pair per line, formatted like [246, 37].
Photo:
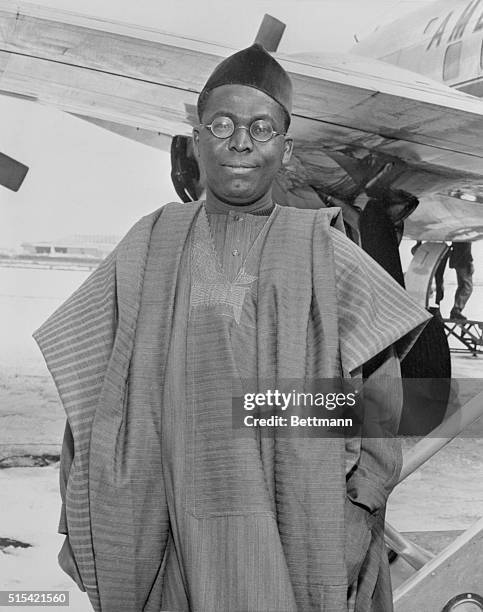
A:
[444, 41]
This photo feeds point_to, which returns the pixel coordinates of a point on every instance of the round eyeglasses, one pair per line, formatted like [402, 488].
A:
[260, 130]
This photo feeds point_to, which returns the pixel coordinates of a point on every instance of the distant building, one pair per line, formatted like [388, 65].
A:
[77, 247]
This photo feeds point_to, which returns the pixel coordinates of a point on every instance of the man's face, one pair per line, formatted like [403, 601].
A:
[238, 169]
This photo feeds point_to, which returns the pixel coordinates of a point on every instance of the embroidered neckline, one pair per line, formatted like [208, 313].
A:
[210, 286]
[209, 235]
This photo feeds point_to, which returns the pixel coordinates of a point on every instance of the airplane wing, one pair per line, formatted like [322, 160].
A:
[352, 115]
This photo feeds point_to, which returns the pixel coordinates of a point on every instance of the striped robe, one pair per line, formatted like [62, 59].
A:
[324, 309]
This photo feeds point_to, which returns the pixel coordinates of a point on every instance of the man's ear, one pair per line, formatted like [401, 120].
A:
[287, 150]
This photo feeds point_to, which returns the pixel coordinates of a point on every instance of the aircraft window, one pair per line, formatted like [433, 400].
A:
[451, 65]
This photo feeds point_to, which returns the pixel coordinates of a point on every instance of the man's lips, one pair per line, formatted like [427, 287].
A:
[239, 168]
[234, 165]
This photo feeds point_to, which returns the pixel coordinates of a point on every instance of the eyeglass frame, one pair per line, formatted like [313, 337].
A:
[237, 127]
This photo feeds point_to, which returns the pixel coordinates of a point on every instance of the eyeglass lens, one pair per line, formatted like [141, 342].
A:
[260, 129]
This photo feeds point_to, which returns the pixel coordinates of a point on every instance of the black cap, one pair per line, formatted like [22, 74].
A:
[253, 67]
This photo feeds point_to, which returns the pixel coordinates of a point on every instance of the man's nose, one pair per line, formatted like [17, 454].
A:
[240, 139]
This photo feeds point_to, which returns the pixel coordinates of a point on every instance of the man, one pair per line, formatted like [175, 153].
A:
[167, 506]
[461, 261]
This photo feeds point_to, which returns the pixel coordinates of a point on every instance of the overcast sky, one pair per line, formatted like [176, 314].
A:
[83, 179]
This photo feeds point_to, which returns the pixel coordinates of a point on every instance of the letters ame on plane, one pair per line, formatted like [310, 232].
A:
[389, 111]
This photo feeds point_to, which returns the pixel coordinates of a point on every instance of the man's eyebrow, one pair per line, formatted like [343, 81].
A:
[221, 113]
[264, 116]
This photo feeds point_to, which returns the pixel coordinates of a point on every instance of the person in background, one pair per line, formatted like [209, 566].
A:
[461, 260]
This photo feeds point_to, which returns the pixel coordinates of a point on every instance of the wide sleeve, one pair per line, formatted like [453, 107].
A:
[76, 342]
[376, 317]
[374, 311]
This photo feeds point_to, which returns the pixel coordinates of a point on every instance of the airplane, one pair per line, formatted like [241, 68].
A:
[444, 41]
[368, 125]
[357, 120]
